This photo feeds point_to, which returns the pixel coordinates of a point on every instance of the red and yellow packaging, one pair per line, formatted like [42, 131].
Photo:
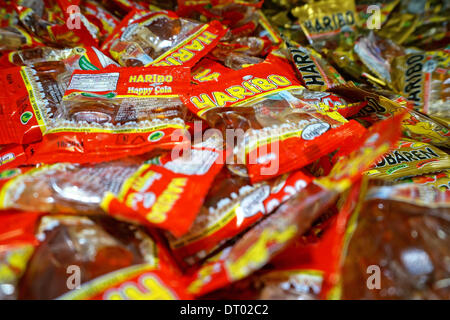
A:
[415, 125]
[60, 28]
[32, 95]
[207, 70]
[113, 261]
[17, 244]
[12, 156]
[78, 58]
[281, 132]
[104, 20]
[106, 113]
[231, 206]
[15, 38]
[166, 192]
[161, 39]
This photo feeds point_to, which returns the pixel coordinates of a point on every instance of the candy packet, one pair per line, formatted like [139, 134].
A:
[314, 71]
[208, 69]
[322, 21]
[163, 189]
[404, 256]
[114, 261]
[17, 244]
[410, 158]
[438, 180]
[57, 27]
[232, 206]
[293, 218]
[415, 125]
[280, 131]
[161, 39]
[15, 38]
[12, 156]
[108, 112]
[33, 92]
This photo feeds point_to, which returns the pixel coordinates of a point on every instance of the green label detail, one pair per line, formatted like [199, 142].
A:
[86, 65]
[25, 117]
[156, 136]
[396, 168]
[109, 95]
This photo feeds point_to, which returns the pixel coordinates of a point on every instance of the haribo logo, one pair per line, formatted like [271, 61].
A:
[25, 117]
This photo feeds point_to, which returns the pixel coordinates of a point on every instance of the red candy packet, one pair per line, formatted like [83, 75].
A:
[293, 218]
[32, 94]
[281, 131]
[12, 156]
[170, 194]
[161, 39]
[234, 213]
[106, 113]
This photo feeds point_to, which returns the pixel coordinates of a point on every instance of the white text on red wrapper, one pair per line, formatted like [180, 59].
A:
[187, 52]
[237, 93]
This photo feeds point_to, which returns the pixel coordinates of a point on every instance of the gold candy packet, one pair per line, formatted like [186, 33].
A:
[315, 72]
[410, 158]
[424, 79]
[321, 20]
[415, 125]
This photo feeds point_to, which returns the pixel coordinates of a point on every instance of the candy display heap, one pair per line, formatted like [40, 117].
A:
[224, 149]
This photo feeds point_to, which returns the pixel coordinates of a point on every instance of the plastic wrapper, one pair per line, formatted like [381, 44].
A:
[108, 112]
[55, 26]
[14, 38]
[231, 206]
[293, 218]
[161, 39]
[438, 180]
[17, 244]
[399, 27]
[365, 13]
[408, 245]
[315, 72]
[208, 69]
[114, 260]
[410, 158]
[97, 15]
[133, 189]
[240, 16]
[322, 21]
[34, 91]
[377, 55]
[423, 78]
[267, 107]
[415, 125]
[11, 156]
[120, 8]
[297, 273]
[77, 58]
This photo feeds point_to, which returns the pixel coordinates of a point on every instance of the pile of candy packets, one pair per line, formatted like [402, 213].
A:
[224, 149]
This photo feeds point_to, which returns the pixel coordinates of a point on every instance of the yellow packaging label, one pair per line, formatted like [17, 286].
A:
[410, 158]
